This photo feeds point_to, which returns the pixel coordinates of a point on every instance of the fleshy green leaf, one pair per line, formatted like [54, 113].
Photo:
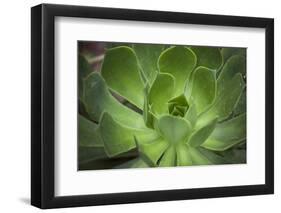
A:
[148, 116]
[99, 99]
[121, 73]
[82, 108]
[199, 136]
[118, 44]
[168, 158]
[203, 88]
[84, 70]
[198, 158]
[174, 129]
[118, 138]
[227, 134]
[230, 51]
[153, 150]
[212, 156]
[235, 156]
[135, 163]
[87, 154]
[183, 156]
[84, 67]
[148, 55]
[157, 97]
[103, 163]
[235, 64]
[177, 112]
[241, 105]
[178, 106]
[225, 101]
[179, 100]
[179, 62]
[191, 115]
[88, 133]
[208, 57]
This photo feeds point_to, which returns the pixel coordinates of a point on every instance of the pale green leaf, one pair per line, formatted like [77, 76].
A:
[157, 97]
[121, 73]
[168, 158]
[183, 156]
[225, 101]
[191, 115]
[99, 99]
[179, 62]
[148, 116]
[118, 138]
[174, 129]
[198, 158]
[148, 55]
[199, 136]
[153, 150]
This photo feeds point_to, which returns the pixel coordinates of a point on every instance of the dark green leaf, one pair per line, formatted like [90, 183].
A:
[135, 163]
[208, 57]
[87, 154]
[88, 133]
[235, 156]
[227, 52]
[227, 134]
[241, 105]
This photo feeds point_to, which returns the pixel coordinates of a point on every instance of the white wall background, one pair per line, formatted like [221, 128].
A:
[15, 105]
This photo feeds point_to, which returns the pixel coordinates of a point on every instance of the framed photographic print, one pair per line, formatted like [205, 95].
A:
[139, 106]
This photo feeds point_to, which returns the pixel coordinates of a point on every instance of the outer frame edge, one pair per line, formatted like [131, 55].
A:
[36, 49]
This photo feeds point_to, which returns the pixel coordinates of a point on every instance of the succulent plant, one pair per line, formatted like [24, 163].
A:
[162, 106]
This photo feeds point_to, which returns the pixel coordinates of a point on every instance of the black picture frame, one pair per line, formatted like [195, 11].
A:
[43, 102]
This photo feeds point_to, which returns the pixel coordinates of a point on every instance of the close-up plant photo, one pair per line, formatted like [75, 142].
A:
[160, 105]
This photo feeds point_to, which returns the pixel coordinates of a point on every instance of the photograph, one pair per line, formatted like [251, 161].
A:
[160, 105]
